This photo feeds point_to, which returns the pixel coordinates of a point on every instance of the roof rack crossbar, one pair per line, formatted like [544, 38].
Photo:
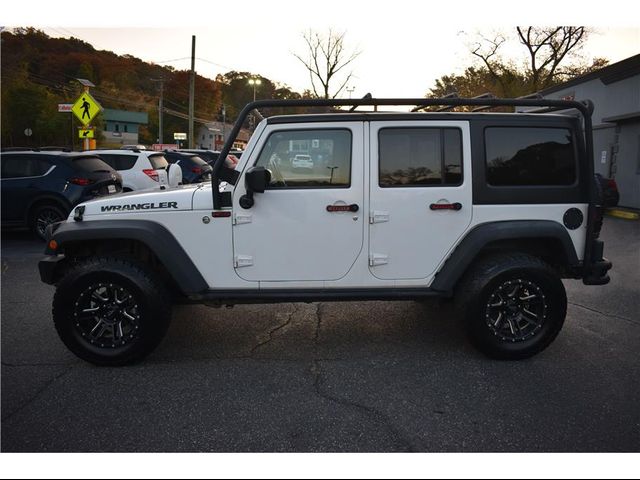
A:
[441, 109]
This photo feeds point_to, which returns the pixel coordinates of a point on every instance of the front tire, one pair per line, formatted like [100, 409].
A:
[514, 305]
[111, 311]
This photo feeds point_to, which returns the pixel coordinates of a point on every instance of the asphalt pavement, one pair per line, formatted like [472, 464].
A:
[355, 377]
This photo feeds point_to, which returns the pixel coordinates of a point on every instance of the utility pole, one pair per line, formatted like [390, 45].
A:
[160, 108]
[224, 124]
[192, 87]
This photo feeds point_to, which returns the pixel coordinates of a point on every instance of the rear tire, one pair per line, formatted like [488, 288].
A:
[111, 311]
[43, 215]
[513, 305]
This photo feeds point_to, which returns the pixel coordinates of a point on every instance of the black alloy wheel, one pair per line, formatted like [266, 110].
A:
[107, 316]
[516, 310]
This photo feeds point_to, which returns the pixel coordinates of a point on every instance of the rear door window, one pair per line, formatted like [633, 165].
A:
[531, 156]
[420, 157]
[90, 164]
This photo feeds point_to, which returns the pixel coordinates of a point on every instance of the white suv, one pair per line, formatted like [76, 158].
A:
[302, 161]
[492, 209]
[141, 169]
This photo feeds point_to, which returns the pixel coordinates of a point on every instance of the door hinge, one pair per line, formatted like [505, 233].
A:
[378, 216]
[242, 261]
[376, 259]
[239, 218]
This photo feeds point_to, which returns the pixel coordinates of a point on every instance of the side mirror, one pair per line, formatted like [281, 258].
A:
[255, 180]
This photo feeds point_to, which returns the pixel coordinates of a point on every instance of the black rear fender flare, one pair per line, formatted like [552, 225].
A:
[473, 244]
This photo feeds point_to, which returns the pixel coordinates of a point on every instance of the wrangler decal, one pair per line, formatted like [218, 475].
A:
[139, 206]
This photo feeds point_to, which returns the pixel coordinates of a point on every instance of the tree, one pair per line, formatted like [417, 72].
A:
[552, 57]
[326, 58]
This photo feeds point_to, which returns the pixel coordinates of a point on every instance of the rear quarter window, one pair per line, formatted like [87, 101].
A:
[119, 161]
[158, 162]
[530, 156]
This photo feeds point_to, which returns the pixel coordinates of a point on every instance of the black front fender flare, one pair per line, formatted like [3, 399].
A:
[155, 236]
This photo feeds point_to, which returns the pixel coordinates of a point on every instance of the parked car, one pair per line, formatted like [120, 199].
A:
[210, 156]
[302, 161]
[194, 168]
[133, 147]
[41, 188]
[609, 191]
[142, 169]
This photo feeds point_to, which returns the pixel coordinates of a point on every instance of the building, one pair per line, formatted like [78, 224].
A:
[615, 92]
[211, 136]
[122, 126]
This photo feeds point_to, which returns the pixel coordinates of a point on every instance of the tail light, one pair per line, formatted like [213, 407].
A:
[152, 174]
[196, 170]
[83, 182]
[611, 183]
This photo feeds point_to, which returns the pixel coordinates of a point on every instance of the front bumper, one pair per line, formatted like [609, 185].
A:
[48, 267]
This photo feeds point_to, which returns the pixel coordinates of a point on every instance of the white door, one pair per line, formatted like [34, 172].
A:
[308, 225]
[420, 192]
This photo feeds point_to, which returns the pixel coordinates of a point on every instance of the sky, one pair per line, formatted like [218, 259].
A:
[406, 45]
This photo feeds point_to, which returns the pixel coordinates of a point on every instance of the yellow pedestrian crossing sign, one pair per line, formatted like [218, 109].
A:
[86, 108]
[86, 132]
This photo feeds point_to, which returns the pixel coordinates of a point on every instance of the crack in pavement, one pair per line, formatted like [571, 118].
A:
[274, 330]
[37, 394]
[370, 412]
[630, 320]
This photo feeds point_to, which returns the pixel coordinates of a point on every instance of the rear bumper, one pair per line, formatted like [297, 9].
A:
[597, 272]
[48, 266]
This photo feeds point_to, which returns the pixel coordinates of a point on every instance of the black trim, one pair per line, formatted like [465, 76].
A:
[469, 248]
[161, 242]
[231, 297]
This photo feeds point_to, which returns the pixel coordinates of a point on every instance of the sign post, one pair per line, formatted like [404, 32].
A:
[86, 108]
[178, 136]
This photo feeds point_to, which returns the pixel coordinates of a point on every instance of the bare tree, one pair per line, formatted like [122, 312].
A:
[326, 58]
[548, 47]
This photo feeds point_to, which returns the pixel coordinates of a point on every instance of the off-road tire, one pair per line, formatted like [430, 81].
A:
[151, 315]
[488, 283]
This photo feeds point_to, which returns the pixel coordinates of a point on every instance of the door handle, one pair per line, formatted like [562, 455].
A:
[446, 206]
[343, 208]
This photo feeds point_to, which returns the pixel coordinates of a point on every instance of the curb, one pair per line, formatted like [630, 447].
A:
[625, 214]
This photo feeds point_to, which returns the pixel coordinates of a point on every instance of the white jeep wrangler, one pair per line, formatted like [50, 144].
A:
[493, 209]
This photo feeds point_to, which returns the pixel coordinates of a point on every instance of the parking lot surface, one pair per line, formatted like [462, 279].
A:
[358, 377]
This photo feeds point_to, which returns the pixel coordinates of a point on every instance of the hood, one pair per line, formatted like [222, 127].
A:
[143, 202]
